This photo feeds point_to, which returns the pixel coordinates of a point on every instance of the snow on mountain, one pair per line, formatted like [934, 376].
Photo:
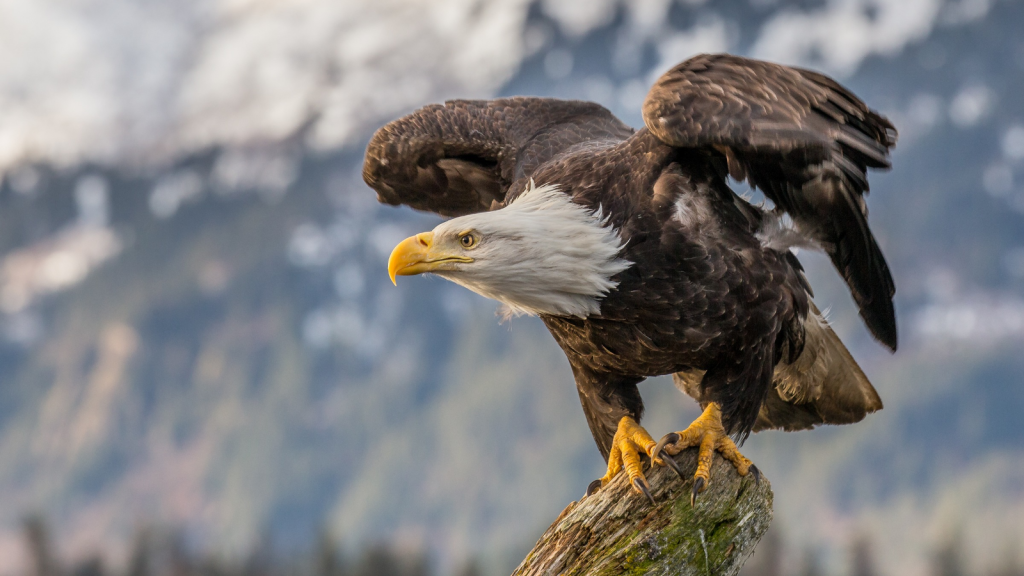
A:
[118, 81]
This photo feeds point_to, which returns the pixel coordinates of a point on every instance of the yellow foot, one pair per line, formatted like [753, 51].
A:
[629, 442]
[708, 433]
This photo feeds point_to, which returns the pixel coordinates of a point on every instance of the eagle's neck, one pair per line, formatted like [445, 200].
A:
[544, 254]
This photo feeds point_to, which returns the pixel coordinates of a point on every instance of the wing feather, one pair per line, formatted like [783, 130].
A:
[462, 156]
[823, 385]
[802, 139]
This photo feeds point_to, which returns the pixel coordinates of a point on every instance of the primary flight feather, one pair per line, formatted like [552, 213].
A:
[641, 260]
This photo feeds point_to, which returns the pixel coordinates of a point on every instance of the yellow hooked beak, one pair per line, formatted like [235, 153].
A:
[418, 254]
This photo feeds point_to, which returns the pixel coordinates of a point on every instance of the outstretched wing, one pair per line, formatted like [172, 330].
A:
[803, 140]
[462, 156]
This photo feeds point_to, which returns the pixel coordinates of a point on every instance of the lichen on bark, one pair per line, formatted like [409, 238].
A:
[618, 532]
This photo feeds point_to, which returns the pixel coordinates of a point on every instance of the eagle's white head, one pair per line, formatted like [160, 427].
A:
[541, 254]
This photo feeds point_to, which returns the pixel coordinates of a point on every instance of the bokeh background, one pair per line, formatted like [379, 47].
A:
[204, 367]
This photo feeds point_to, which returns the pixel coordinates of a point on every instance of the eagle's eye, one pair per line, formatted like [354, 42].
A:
[468, 240]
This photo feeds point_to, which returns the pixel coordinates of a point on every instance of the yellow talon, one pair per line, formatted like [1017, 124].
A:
[708, 433]
[629, 441]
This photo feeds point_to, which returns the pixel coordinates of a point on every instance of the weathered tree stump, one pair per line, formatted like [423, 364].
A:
[618, 531]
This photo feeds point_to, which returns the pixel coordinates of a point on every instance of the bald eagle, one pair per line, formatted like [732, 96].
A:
[642, 261]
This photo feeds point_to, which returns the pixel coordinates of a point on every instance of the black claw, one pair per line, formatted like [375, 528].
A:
[670, 438]
[671, 463]
[642, 486]
[698, 485]
[757, 475]
[593, 487]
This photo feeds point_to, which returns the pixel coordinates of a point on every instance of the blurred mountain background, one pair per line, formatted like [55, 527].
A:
[198, 335]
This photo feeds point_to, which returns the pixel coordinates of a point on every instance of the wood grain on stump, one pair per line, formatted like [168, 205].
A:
[618, 531]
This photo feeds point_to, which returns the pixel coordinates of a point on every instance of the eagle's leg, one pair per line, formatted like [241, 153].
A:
[708, 433]
[629, 442]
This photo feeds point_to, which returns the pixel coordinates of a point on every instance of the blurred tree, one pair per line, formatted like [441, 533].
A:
[378, 561]
[141, 555]
[862, 557]
[417, 565]
[163, 553]
[328, 560]
[1011, 563]
[261, 558]
[179, 561]
[948, 559]
[381, 560]
[37, 537]
[812, 563]
[89, 567]
[470, 568]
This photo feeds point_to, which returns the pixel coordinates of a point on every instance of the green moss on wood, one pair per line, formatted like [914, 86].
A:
[618, 532]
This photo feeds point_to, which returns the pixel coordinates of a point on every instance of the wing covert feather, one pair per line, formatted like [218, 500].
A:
[462, 156]
[802, 139]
